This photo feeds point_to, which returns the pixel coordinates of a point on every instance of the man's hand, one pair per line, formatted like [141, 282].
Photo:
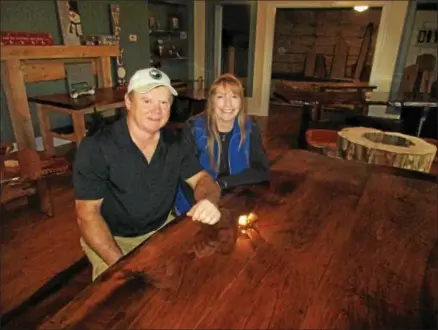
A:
[205, 211]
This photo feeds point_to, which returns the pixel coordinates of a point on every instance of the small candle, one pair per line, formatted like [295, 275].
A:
[243, 220]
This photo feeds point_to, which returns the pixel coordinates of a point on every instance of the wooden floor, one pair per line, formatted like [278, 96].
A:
[43, 266]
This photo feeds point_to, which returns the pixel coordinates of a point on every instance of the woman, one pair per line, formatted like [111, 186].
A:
[228, 143]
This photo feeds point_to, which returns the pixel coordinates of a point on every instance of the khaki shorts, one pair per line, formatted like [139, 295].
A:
[126, 244]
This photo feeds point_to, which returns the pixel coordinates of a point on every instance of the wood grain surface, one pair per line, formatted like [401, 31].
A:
[337, 244]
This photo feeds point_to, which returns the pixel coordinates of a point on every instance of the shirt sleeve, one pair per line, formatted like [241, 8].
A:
[190, 164]
[258, 171]
[90, 171]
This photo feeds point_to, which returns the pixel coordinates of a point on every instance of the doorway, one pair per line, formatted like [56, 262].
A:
[230, 41]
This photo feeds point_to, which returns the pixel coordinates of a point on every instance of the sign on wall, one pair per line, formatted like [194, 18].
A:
[427, 36]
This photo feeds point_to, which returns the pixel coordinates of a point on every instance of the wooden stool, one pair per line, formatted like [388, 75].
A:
[434, 168]
[322, 141]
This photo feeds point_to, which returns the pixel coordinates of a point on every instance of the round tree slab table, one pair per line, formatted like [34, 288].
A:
[385, 148]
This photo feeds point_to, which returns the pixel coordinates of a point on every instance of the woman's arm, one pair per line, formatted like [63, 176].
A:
[259, 166]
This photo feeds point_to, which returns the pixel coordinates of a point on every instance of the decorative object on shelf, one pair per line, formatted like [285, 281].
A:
[174, 52]
[101, 40]
[26, 38]
[81, 89]
[70, 22]
[159, 48]
[153, 24]
[115, 19]
[183, 35]
[80, 79]
[174, 23]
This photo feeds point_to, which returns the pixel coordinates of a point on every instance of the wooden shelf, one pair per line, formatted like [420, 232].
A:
[168, 2]
[58, 51]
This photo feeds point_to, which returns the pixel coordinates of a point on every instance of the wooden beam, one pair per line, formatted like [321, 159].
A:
[231, 59]
[104, 73]
[58, 51]
[15, 92]
[44, 70]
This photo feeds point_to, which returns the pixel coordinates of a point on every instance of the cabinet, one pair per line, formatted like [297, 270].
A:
[171, 37]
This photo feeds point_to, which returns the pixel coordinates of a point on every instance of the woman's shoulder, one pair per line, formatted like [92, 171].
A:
[197, 120]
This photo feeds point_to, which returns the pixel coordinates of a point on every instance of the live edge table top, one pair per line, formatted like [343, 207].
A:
[336, 244]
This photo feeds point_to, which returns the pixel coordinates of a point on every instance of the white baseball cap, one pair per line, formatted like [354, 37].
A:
[145, 80]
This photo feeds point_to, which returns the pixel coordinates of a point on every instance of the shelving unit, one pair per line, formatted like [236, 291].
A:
[171, 37]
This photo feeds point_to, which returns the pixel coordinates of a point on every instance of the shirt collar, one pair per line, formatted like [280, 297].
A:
[125, 139]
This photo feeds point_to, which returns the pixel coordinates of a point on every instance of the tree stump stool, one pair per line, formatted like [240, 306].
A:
[385, 148]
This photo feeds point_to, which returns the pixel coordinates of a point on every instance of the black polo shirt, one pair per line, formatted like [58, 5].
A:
[137, 195]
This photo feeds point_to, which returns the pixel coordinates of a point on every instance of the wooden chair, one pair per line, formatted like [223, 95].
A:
[323, 141]
[20, 171]
[25, 173]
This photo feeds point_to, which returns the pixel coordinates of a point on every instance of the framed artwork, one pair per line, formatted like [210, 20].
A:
[70, 22]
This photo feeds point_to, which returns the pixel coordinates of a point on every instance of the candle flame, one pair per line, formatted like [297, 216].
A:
[243, 220]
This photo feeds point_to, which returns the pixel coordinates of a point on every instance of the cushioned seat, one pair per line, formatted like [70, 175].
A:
[323, 141]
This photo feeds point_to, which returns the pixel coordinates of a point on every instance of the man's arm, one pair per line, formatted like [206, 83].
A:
[206, 191]
[95, 231]
[89, 181]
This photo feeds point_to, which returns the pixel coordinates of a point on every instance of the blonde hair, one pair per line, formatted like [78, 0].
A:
[230, 82]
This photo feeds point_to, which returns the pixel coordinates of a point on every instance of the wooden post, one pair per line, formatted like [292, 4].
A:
[105, 79]
[104, 73]
[44, 121]
[15, 92]
[231, 59]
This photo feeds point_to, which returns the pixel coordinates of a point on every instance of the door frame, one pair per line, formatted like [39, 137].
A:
[213, 42]
[386, 50]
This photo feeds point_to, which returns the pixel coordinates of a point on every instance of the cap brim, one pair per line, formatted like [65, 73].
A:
[149, 87]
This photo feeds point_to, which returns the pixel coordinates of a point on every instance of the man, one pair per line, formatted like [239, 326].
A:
[126, 176]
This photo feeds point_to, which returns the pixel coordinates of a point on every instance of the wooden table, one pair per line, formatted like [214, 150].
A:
[314, 97]
[104, 99]
[421, 110]
[337, 244]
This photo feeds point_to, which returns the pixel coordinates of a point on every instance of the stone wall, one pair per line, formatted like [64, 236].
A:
[298, 31]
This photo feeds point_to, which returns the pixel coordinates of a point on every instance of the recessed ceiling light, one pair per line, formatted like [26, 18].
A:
[360, 8]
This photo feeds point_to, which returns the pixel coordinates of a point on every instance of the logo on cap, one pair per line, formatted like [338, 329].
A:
[155, 74]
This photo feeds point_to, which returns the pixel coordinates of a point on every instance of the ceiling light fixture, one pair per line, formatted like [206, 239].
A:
[360, 8]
